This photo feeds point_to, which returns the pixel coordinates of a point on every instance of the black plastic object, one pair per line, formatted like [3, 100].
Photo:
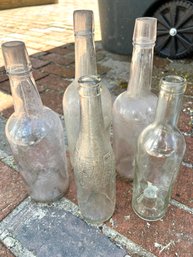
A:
[175, 29]
[117, 18]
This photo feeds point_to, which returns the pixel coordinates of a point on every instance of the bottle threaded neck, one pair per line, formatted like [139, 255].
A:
[173, 84]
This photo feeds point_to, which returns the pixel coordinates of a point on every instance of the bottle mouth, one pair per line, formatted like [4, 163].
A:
[173, 84]
[145, 31]
[13, 44]
[16, 57]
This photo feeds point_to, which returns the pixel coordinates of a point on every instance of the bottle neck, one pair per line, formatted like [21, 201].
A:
[141, 70]
[85, 56]
[91, 121]
[168, 108]
[26, 98]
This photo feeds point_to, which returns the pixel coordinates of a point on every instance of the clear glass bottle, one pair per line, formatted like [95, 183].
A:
[85, 64]
[34, 132]
[94, 166]
[161, 147]
[134, 109]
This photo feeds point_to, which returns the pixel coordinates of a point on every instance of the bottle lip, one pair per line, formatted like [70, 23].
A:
[145, 31]
[16, 58]
[11, 44]
[83, 22]
[173, 84]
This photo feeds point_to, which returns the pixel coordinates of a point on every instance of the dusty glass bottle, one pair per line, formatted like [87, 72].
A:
[85, 64]
[161, 147]
[34, 132]
[94, 166]
[134, 109]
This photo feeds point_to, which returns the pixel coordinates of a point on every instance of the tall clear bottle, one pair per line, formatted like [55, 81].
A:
[94, 159]
[85, 64]
[34, 132]
[134, 109]
[161, 147]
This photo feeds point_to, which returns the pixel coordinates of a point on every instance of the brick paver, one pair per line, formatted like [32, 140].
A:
[13, 190]
[4, 252]
[47, 32]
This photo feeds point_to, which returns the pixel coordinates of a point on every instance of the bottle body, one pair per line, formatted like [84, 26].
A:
[130, 116]
[95, 180]
[156, 170]
[94, 167]
[161, 147]
[134, 109]
[37, 144]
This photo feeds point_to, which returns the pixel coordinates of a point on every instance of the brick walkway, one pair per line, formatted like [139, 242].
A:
[29, 229]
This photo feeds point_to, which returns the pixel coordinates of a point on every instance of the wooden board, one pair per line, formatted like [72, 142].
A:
[7, 4]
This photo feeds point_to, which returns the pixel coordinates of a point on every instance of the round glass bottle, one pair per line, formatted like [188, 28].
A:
[34, 132]
[134, 109]
[161, 147]
[94, 159]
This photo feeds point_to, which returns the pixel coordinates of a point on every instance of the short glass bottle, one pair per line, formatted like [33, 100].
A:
[34, 132]
[94, 159]
[161, 148]
[85, 64]
[134, 109]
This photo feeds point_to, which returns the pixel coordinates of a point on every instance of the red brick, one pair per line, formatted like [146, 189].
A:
[53, 100]
[183, 189]
[7, 112]
[102, 70]
[4, 252]
[40, 54]
[175, 226]
[184, 123]
[3, 76]
[13, 190]
[37, 63]
[59, 59]
[66, 72]
[188, 157]
[71, 194]
[53, 82]
[160, 62]
[39, 74]
[5, 86]
[189, 90]
[61, 50]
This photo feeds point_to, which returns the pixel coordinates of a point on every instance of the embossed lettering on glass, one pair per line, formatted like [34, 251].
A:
[94, 166]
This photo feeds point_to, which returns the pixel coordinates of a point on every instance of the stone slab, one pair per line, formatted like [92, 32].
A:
[41, 230]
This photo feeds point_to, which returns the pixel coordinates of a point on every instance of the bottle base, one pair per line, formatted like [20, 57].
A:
[47, 200]
[96, 222]
[150, 217]
[97, 208]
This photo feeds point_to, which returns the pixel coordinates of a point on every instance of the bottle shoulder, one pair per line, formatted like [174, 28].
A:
[23, 129]
[135, 108]
[71, 91]
[161, 140]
